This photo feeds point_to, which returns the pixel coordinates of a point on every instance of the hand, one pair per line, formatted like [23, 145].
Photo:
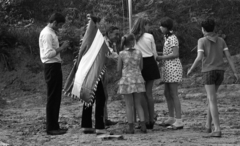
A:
[189, 71]
[159, 58]
[237, 77]
[65, 44]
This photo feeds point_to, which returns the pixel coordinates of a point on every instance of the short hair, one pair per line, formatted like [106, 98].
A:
[208, 25]
[94, 18]
[111, 29]
[167, 23]
[58, 17]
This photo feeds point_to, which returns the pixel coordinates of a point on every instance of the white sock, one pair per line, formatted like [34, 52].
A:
[170, 120]
[178, 122]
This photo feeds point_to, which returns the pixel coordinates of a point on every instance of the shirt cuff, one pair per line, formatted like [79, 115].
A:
[225, 49]
[55, 51]
[200, 50]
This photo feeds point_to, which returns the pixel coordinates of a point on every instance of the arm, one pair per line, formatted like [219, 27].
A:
[49, 52]
[108, 45]
[119, 65]
[141, 62]
[114, 47]
[175, 47]
[153, 46]
[199, 56]
[175, 54]
[230, 62]
[197, 60]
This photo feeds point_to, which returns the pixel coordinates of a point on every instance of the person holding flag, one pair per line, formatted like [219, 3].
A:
[85, 79]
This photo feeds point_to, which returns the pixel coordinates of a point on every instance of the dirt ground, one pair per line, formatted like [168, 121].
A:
[22, 121]
[22, 113]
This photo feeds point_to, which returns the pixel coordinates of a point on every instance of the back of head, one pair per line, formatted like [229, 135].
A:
[58, 17]
[111, 29]
[167, 23]
[94, 18]
[138, 28]
[126, 40]
[208, 25]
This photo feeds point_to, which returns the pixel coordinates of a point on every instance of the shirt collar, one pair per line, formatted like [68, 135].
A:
[50, 29]
[209, 34]
[127, 49]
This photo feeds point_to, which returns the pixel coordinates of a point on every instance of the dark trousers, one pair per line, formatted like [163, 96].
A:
[53, 78]
[99, 110]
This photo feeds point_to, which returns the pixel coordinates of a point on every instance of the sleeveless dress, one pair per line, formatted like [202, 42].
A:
[132, 80]
[172, 69]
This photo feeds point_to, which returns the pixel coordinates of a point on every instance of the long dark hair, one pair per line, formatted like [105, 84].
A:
[167, 23]
[126, 39]
[139, 27]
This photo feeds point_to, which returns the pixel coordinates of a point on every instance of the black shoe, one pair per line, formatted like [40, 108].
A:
[110, 123]
[150, 125]
[64, 130]
[56, 132]
[88, 130]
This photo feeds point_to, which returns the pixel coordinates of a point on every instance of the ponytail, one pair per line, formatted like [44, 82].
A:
[126, 39]
[123, 40]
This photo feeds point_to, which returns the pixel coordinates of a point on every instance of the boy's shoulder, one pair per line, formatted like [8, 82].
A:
[204, 39]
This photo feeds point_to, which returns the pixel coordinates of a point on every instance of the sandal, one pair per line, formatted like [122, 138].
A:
[213, 134]
[130, 129]
[143, 127]
[102, 131]
[207, 130]
[175, 127]
[165, 124]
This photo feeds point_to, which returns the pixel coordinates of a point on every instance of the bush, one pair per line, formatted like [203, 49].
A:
[27, 37]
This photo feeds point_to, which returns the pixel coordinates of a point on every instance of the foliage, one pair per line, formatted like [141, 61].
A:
[6, 42]
[24, 16]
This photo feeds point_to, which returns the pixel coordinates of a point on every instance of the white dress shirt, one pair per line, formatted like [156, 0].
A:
[48, 43]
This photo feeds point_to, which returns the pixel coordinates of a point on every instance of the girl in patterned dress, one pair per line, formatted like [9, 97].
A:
[131, 83]
[172, 74]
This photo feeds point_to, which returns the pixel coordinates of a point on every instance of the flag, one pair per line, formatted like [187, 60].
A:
[89, 67]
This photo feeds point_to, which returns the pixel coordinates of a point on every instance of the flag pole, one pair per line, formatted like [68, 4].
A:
[130, 27]
[130, 14]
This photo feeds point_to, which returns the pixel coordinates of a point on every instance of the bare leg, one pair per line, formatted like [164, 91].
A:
[149, 85]
[137, 97]
[129, 107]
[144, 103]
[169, 100]
[212, 97]
[138, 105]
[209, 116]
[174, 94]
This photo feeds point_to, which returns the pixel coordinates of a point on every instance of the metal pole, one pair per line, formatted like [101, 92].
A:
[130, 27]
[130, 14]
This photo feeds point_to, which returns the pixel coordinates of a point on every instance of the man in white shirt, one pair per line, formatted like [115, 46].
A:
[50, 57]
